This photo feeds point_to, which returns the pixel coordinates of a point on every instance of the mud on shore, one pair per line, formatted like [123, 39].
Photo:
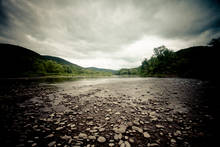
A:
[109, 112]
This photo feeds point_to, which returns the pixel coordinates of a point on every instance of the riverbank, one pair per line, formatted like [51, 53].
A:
[109, 112]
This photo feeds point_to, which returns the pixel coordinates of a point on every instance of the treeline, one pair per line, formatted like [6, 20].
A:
[194, 62]
[128, 71]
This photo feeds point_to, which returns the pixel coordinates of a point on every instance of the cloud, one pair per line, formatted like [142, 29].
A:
[109, 34]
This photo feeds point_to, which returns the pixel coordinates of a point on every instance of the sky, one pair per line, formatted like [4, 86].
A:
[108, 33]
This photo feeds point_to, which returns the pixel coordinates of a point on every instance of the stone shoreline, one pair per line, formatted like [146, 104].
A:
[138, 112]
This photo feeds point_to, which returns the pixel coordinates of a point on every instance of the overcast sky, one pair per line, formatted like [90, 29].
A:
[107, 33]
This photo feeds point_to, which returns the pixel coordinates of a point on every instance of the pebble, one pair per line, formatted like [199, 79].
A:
[65, 137]
[173, 140]
[146, 135]
[159, 126]
[121, 129]
[101, 139]
[120, 142]
[152, 145]
[125, 144]
[59, 128]
[83, 135]
[89, 118]
[92, 137]
[52, 143]
[111, 144]
[136, 122]
[177, 133]
[101, 129]
[117, 136]
[131, 140]
[137, 129]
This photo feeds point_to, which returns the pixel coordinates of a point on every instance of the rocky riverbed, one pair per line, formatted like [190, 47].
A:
[116, 112]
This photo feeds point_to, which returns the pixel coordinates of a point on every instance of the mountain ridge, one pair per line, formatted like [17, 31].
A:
[17, 61]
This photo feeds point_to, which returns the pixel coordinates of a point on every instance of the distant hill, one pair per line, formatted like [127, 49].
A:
[16, 61]
[102, 70]
[197, 61]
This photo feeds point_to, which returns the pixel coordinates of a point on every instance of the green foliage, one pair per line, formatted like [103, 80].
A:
[162, 62]
[126, 71]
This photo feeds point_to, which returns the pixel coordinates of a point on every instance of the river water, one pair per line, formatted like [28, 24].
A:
[108, 112]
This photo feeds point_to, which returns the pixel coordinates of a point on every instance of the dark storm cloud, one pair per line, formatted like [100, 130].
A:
[95, 29]
[3, 15]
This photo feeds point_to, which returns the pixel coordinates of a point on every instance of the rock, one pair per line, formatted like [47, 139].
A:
[92, 131]
[130, 124]
[36, 137]
[127, 144]
[153, 115]
[111, 144]
[170, 119]
[90, 123]
[49, 136]
[136, 122]
[122, 145]
[59, 128]
[101, 139]
[146, 135]
[118, 136]
[92, 137]
[131, 140]
[89, 118]
[120, 142]
[101, 129]
[107, 118]
[30, 141]
[173, 140]
[109, 110]
[117, 113]
[65, 137]
[152, 145]
[34, 144]
[72, 126]
[51, 143]
[160, 126]
[121, 129]
[137, 129]
[83, 135]
[177, 133]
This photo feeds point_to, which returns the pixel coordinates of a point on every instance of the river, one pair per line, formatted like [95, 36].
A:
[108, 112]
